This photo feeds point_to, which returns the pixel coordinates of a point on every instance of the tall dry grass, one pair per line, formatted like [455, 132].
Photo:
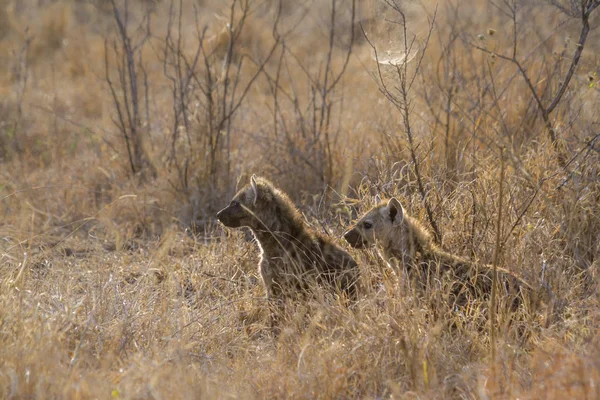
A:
[116, 286]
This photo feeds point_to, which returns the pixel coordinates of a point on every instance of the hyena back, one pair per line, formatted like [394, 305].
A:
[401, 238]
[292, 254]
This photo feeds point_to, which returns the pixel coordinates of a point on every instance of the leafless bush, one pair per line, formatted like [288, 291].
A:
[303, 148]
[12, 141]
[577, 10]
[208, 87]
[522, 71]
[126, 49]
[547, 72]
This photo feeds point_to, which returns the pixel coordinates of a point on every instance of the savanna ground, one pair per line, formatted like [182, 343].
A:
[125, 126]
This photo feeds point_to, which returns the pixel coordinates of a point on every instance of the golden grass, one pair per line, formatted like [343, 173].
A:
[103, 294]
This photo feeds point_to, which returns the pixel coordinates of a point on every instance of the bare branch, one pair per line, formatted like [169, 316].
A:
[583, 11]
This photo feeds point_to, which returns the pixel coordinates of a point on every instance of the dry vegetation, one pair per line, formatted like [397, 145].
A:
[125, 125]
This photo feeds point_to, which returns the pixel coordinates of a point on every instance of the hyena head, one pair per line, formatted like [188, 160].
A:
[249, 205]
[377, 225]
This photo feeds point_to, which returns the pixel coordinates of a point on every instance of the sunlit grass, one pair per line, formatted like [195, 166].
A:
[111, 286]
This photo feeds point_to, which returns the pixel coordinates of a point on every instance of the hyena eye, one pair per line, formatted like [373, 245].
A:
[367, 225]
[234, 203]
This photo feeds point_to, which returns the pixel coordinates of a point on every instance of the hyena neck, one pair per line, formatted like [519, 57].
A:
[437, 254]
[279, 237]
[410, 242]
[267, 242]
[269, 239]
[410, 238]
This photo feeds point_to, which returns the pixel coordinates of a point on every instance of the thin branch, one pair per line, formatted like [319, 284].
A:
[545, 111]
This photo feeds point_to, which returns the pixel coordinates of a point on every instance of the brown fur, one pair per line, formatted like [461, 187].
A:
[292, 254]
[401, 238]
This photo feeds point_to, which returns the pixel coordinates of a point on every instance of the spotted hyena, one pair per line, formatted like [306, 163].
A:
[402, 239]
[292, 254]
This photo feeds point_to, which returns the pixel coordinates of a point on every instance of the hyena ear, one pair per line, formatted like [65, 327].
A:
[395, 210]
[254, 187]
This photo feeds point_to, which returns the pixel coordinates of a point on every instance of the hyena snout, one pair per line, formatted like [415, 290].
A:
[230, 216]
[355, 239]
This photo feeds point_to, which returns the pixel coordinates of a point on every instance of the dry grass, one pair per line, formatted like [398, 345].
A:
[105, 291]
